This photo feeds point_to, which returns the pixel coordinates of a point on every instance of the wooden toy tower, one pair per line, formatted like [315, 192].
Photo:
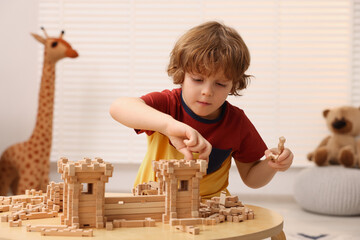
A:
[84, 191]
[181, 180]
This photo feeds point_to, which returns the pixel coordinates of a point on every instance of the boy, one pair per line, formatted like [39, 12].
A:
[196, 121]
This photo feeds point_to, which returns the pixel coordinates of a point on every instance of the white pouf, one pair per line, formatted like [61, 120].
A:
[331, 190]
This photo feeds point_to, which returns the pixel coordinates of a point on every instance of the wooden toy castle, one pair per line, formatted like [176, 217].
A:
[174, 199]
[84, 191]
[180, 181]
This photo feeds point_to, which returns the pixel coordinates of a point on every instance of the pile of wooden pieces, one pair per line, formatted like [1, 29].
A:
[150, 188]
[5, 204]
[226, 208]
[54, 196]
[32, 205]
[35, 205]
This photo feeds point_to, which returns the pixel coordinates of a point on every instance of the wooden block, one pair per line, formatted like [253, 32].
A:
[38, 228]
[135, 199]
[203, 165]
[4, 218]
[184, 211]
[117, 223]
[71, 169]
[17, 223]
[173, 215]
[149, 222]
[67, 232]
[174, 222]
[232, 198]
[109, 226]
[193, 230]
[132, 223]
[186, 174]
[222, 198]
[134, 211]
[86, 209]
[237, 210]
[190, 221]
[96, 166]
[156, 217]
[75, 219]
[99, 225]
[56, 208]
[108, 173]
[38, 215]
[189, 229]
[195, 214]
[208, 221]
[233, 204]
[195, 193]
[135, 205]
[281, 144]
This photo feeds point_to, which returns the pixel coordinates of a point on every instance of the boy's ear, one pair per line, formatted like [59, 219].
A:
[38, 37]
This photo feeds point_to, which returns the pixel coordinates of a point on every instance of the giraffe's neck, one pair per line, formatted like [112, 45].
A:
[44, 120]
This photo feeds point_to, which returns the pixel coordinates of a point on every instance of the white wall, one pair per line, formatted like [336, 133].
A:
[18, 70]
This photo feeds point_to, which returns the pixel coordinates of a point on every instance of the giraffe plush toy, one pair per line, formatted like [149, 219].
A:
[26, 165]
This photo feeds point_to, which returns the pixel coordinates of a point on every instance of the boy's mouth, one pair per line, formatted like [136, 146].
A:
[204, 103]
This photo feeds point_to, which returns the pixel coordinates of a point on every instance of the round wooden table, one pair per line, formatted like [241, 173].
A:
[267, 223]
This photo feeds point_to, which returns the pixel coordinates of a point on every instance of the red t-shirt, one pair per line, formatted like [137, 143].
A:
[231, 133]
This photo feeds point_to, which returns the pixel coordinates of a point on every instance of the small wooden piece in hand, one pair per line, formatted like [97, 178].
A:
[274, 157]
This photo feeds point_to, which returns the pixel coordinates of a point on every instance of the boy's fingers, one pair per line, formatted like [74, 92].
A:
[267, 152]
[285, 155]
[191, 138]
[187, 153]
[276, 165]
[190, 142]
[205, 153]
[273, 151]
[272, 164]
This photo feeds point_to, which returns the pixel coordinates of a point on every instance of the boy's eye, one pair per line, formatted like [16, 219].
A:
[197, 80]
[221, 84]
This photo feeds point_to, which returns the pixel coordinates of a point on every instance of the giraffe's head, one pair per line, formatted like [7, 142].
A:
[55, 48]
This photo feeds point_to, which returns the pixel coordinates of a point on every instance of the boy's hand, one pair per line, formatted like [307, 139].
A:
[284, 160]
[187, 141]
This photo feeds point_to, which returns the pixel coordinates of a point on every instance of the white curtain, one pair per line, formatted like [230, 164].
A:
[301, 58]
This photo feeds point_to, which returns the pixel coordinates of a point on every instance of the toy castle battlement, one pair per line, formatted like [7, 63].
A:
[180, 179]
[84, 191]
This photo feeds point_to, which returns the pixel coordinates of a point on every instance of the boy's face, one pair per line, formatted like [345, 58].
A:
[205, 95]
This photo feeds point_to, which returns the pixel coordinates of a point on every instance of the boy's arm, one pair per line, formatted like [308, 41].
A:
[258, 174]
[135, 113]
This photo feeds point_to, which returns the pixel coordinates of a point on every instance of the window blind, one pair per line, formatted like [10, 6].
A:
[301, 63]
[355, 93]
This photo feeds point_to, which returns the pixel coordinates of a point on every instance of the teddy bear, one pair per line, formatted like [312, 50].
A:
[341, 147]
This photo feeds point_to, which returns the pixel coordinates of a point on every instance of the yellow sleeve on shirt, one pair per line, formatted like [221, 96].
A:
[159, 148]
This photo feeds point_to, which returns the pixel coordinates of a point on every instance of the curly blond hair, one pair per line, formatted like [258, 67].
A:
[208, 48]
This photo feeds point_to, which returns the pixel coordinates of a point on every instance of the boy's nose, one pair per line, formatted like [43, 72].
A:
[207, 91]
